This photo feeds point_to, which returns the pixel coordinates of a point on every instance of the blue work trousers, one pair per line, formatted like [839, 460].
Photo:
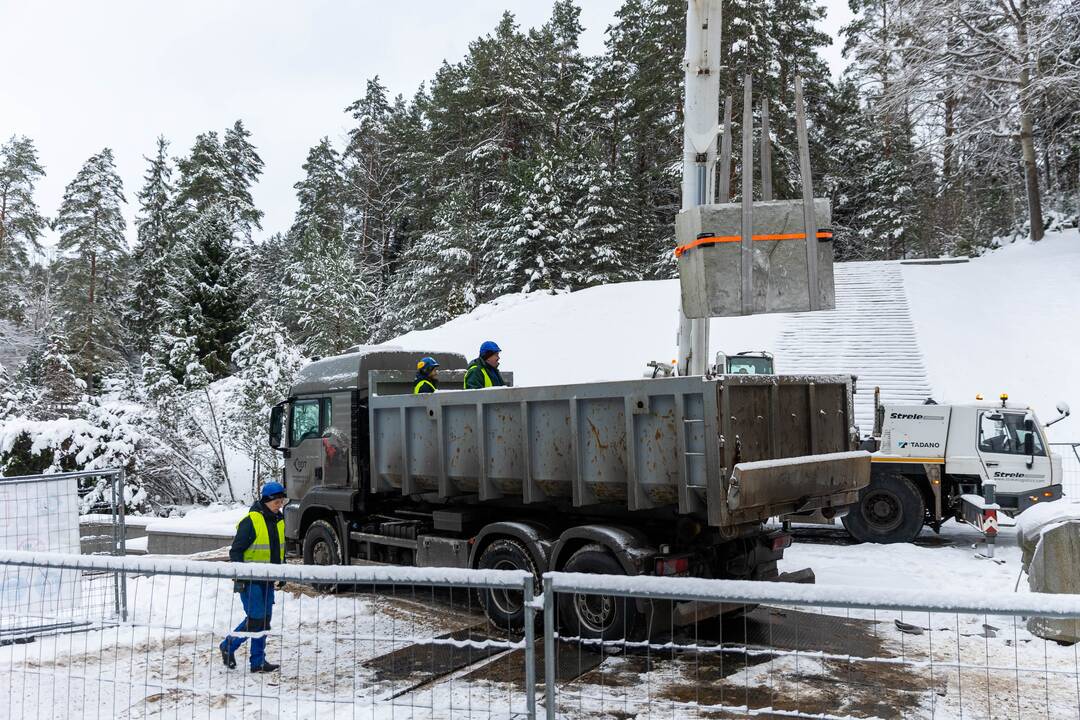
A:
[258, 601]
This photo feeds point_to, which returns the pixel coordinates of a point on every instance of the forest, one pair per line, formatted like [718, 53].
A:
[524, 166]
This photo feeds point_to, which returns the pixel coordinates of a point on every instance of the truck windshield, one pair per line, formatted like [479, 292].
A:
[1003, 432]
[749, 366]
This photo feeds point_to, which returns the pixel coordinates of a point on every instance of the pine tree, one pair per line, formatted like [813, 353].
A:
[92, 228]
[321, 197]
[206, 296]
[156, 233]
[21, 224]
[243, 166]
[204, 177]
[332, 299]
[61, 390]
[267, 364]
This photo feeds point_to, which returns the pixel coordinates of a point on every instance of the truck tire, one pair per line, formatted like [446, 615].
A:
[890, 510]
[505, 608]
[597, 617]
[322, 547]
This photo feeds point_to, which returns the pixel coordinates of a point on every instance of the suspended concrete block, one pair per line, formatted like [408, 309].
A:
[711, 259]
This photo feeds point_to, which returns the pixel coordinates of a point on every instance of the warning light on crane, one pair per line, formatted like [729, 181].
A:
[1004, 399]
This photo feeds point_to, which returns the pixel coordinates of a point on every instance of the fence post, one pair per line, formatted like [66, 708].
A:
[119, 481]
[549, 649]
[530, 649]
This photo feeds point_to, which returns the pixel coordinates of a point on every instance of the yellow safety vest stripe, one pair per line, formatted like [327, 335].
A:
[416, 390]
[487, 378]
[259, 551]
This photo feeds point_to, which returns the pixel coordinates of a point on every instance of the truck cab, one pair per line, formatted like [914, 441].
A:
[927, 458]
[749, 362]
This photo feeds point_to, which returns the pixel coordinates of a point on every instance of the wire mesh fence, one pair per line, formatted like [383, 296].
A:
[388, 642]
[805, 652]
[394, 642]
[1070, 465]
[40, 514]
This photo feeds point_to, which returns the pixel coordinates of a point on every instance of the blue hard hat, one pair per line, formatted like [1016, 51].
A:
[272, 491]
[489, 346]
[426, 364]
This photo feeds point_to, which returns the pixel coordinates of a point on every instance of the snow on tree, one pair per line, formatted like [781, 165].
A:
[21, 223]
[61, 389]
[321, 197]
[242, 169]
[91, 227]
[267, 363]
[150, 260]
[330, 295]
[206, 295]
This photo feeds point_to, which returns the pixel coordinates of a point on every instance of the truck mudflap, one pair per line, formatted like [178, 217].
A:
[769, 488]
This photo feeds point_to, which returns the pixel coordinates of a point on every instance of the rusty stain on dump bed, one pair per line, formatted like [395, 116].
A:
[596, 434]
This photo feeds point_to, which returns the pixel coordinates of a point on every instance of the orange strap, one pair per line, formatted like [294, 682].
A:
[714, 239]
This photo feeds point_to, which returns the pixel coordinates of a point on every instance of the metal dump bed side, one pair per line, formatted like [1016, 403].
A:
[639, 444]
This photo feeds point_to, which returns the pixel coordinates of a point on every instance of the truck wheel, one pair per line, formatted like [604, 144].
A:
[603, 617]
[890, 510]
[505, 608]
[321, 547]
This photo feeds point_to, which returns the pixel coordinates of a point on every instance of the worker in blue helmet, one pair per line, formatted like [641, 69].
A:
[427, 381]
[483, 372]
[260, 538]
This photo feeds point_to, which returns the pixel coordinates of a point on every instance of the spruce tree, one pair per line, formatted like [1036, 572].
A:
[321, 197]
[243, 166]
[156, 224]
[206, 297]
[91, 227]
[21, 224]
[332, 299]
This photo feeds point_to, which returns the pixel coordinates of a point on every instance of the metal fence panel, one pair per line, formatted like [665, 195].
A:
[41, 513]
[400, 642]
[1070, 464]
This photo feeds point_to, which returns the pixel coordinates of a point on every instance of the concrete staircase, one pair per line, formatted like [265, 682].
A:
[870, 334]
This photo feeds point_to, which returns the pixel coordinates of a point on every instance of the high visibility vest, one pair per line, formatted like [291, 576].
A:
[422, 383]
[259, 551]
[483, 370]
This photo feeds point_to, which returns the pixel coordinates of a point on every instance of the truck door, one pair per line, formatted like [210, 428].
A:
[1004, 451]
[308, 418]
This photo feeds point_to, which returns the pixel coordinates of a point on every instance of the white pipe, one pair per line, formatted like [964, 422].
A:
[700, 125]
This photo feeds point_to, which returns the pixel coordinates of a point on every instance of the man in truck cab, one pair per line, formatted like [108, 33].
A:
[483, 372]
[427, 371]
[260, 537]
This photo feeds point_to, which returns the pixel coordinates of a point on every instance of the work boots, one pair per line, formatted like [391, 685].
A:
[228, 659]
[266, 667]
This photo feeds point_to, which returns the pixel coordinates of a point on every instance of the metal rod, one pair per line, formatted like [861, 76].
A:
[747, 255]
[549, 650]
[766, 152]
[725, 155]
[809, 216]
[530, 648]
[121, 481]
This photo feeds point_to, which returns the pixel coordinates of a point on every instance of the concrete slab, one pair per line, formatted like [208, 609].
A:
[180, 542]
[710, 273]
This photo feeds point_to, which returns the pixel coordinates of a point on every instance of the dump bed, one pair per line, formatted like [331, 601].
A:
[637, 444]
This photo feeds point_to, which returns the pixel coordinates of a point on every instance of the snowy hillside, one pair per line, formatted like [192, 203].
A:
[1005, 322]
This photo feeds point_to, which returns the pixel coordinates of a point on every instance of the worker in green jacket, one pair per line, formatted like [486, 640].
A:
[483, 372]
[427, 380]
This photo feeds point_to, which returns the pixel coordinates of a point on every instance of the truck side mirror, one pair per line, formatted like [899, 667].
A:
[276, 416]
[1063, 408]
[1029, 441]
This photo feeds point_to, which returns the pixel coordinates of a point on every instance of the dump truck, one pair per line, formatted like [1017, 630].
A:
[667, 476]
[963, 461]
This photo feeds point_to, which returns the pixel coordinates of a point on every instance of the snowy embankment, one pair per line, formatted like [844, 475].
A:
[1004, 322]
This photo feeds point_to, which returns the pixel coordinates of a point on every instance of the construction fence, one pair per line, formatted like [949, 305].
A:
[396, 642]
[1070, 465]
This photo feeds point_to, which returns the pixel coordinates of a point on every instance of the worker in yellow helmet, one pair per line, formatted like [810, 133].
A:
[260, 538]
[427, 380]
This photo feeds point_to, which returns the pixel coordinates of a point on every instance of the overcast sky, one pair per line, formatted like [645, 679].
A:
[86, 74]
